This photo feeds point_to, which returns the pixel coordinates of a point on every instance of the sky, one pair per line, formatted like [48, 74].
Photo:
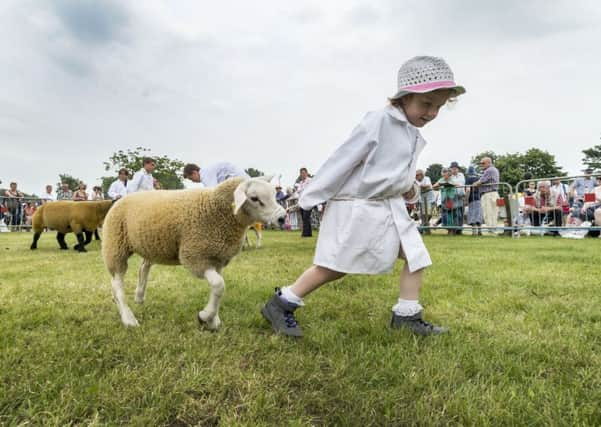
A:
[279, 85]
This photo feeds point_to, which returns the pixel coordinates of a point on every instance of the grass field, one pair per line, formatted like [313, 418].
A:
[525, 346]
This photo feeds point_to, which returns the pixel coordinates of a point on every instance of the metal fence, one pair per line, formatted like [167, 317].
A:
[564, 206]
[560, 206]
[465, 209]
[16, 212]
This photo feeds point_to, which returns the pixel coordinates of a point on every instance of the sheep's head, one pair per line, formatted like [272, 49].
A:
[257, 197]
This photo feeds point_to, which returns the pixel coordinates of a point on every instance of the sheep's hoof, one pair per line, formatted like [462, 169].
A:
[210, 324]
[64, 248]
[33, 248]
[130, 321]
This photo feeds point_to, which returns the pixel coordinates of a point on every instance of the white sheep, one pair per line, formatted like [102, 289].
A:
[201, 229]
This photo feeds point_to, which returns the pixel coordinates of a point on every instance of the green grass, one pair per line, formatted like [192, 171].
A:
[525, 347]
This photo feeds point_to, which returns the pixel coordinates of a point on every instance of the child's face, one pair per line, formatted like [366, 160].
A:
[422, 108]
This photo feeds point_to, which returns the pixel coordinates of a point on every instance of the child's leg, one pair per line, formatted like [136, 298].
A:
[313, 278]
[407, 312]
[279, 310]
[410, 284]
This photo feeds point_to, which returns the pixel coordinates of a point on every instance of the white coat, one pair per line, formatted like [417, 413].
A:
[366, 224]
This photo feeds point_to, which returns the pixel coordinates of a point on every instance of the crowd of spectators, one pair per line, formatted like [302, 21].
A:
[454, 201]
[474, 201]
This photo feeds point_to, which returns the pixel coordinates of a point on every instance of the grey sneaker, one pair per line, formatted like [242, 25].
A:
[280, 314]
[416, 325]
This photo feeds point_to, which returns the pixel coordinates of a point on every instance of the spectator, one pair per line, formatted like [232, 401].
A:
[142, 180]
[546, 210]
[97, 193]
[450, 200]
[563, 193]
[80, 195]
[305, 179]
[531, 189]
[426, 198]
[216, 173]
[474, 210]
[192, 176]
[13, 202]
[64, 193]
[280, 196]
[591, 210]
[488, 185]
[156, 184]
[458, 179]
[118, 188]
[580, 187]
[48, 196]
[29, 211]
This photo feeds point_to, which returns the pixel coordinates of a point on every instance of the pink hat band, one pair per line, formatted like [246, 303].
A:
[430, 86]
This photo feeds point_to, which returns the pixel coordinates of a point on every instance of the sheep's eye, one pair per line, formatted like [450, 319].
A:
[254, 199]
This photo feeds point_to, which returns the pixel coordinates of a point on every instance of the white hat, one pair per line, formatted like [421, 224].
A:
[424, 74]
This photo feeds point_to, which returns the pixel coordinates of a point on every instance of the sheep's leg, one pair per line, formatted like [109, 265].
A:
[259, 235]
[210, 314]
[96, 235]
[127, 317]
[88, 237]
[80, 243]
[36, 237]
[60, 238]
[142, 280]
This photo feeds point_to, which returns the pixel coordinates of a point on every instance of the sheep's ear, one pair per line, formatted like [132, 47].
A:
[266, 178]
[240, 196]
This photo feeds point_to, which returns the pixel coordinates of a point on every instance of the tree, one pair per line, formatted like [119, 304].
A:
[167, 171]
[513, 167]
[510, 168]
[434, 172]
[541, 164]
[252, 172]
[71, 180]
[593, 157]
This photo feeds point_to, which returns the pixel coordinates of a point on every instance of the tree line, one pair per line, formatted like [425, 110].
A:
[513, 167]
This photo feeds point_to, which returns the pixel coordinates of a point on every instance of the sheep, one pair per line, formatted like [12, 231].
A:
[66, 216]
[201, 229]
[258, 229]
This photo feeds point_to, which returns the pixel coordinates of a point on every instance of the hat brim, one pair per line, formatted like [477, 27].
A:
[458, 90]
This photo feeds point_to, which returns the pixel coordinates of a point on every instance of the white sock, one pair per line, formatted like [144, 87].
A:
[290, 296]
[406, 307]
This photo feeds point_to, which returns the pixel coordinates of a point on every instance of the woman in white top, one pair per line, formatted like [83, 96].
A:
[365, 183]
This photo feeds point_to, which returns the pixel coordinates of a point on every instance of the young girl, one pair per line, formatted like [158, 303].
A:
[366, 225]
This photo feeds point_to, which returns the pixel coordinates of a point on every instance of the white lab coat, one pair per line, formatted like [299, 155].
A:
[215, 174]
[142, 181]
[366, 223]
[189, 184]
[117, 190]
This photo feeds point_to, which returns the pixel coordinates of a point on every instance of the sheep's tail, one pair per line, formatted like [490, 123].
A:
[37, 222]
